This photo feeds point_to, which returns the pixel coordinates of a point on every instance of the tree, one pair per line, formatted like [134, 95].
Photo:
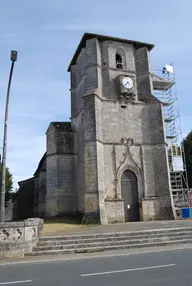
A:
[8, 184]
[187, 144]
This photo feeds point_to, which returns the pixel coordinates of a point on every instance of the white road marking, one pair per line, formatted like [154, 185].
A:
[127, 270]
[15, 282]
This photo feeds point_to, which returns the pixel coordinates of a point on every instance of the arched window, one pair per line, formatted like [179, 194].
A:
[119, 63]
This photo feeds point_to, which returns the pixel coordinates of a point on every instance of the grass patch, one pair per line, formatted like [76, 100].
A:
[64, 220]
[56, 229]
[60, 225]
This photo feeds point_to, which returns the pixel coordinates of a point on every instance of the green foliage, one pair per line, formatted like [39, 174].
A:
[187, 143]
[8, 184]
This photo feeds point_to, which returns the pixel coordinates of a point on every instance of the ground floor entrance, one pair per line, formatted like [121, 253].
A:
[129, 190]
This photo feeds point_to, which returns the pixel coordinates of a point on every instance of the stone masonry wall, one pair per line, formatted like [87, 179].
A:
[84, 76]
[143, 75]
[17, 238]
[90, 160]
[79, 159]
[61, 195]
[66, 197]
[143, 124]
[109, 71]
[51, 195]
[40, 187]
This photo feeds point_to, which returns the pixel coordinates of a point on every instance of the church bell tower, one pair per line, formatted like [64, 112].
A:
[121, 166]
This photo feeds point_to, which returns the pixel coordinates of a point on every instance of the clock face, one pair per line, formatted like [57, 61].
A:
[127, 82]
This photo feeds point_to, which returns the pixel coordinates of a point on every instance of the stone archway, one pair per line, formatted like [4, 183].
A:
[129, 191]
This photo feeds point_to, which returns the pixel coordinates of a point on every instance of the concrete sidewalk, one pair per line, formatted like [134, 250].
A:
[131, 226]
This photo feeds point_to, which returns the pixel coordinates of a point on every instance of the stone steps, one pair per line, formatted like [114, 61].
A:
[103, 239]
[110, 241]
[115, 234]
[100, 249]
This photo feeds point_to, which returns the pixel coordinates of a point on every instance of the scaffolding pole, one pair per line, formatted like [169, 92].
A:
[164, 88]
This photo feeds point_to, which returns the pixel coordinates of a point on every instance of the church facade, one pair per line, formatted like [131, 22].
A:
[110, 162]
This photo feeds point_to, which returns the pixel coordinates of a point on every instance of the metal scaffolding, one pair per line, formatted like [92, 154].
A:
[164, 88]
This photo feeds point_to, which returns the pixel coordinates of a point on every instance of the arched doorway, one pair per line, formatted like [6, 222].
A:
[129, 191]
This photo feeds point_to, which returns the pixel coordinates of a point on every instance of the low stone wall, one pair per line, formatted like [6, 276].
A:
[17, 238]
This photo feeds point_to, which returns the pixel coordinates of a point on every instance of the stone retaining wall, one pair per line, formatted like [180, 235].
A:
[17, 238]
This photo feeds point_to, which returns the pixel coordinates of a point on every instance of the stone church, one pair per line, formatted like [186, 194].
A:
[110, 162]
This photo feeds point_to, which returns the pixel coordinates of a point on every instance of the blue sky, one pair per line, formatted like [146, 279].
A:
[46, 33]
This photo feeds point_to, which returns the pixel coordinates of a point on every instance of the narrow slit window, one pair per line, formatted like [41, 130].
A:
[119, 64]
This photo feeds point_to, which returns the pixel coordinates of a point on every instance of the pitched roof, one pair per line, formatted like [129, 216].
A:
[43, 159]
[101, 38]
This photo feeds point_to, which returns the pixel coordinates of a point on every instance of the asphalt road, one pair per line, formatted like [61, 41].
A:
[155, 268]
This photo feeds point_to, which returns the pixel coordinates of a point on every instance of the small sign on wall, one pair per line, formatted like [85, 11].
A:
[177, 164]
[128, 207]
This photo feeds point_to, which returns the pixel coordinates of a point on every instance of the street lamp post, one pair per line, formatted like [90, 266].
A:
[2, 211]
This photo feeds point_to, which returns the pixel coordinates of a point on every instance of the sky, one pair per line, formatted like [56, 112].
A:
[46, 33]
